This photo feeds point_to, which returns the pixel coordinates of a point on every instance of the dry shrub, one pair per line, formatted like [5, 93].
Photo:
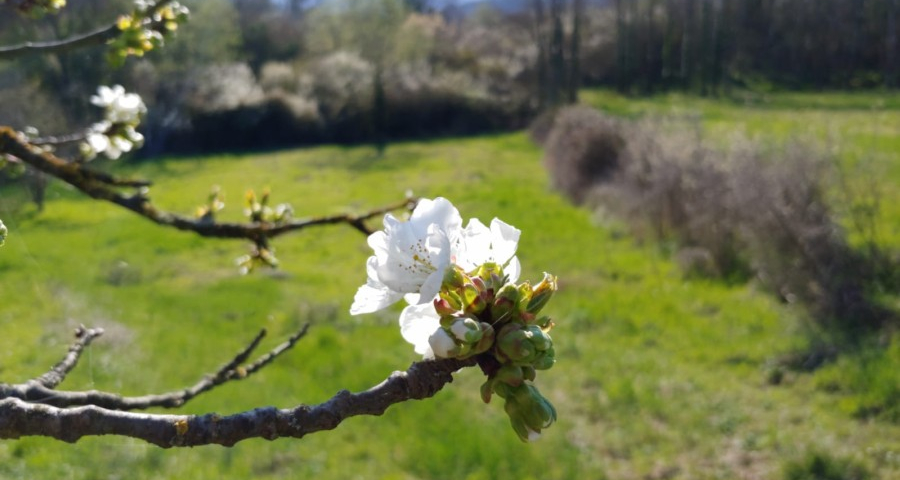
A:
[582, 149]
[740, 213]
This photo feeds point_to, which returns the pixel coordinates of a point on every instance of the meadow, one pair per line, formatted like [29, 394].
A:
[658, 376]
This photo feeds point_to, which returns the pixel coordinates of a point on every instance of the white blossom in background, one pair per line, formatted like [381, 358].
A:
[120, 107]
[116, 133]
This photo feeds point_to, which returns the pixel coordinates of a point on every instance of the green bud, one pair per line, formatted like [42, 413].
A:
[529, 412]
[487, 388]
[487, 339]
[454, 278]
[504, 307]
[510, 375]
[474, 302]
[539, 338]
[541, 294]
[466, 330]
[525, 293]
[487, 270]
[545, 359]
[513, 344]
[453, 299]
[529, 373]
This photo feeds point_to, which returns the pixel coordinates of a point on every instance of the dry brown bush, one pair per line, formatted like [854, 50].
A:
[582, 149]
[747, 211]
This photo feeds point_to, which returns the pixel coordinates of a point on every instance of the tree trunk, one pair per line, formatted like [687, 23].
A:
[890, 50]
[575, 51]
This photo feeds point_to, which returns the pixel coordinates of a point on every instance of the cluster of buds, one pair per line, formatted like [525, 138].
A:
[145, 29]
[37, 8]
[259, 211]
[115, 134]
[484, 315]
[207, 213]
[261, 255]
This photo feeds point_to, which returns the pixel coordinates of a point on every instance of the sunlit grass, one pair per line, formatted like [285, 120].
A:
[656, 375]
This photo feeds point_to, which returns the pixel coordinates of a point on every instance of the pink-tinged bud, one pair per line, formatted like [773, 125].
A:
[443, 307]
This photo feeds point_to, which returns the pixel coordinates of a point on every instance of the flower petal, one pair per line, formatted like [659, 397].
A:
[504, 240]
[417, 324]
[372, 297]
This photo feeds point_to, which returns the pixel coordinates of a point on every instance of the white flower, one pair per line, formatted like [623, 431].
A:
[479, 245]
[410, 257]
[120, 107]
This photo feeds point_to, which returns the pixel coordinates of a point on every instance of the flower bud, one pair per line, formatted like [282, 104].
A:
[541, 294]
[466, 330]
[454, 301]
[525, 293]
[442, 344]
[3, 232]
[474, 301]
[529, 412]
[513, 345]
[454, 278]
[504, 306]
[488, 270]
[510, 375]
[443, 307]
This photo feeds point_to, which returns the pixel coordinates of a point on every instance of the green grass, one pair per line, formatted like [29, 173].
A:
[657, 377]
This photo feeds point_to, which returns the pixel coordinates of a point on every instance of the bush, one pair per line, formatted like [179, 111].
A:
[582, 150]
[746, 212]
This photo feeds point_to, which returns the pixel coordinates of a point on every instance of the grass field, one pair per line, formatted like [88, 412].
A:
[657, 377]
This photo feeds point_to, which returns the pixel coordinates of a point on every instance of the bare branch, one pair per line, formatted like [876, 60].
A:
[57, 374]
[422, 380]
[39, 392]
[58, 139]
[97, 37]
[100, 186]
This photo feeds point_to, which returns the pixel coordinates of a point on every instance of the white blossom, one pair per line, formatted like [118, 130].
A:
[121, 107]
[410, 257]
[480, 244]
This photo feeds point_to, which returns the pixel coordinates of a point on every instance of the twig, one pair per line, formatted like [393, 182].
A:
[38, 392]
[58, 139]
[99, 185]
[95, 37]
[422, 380]
[57, 374]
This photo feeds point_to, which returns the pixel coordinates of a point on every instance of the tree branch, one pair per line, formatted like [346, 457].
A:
[59, 371]
[100, 185]
[37, 391]
[96, 37]
[19, 418]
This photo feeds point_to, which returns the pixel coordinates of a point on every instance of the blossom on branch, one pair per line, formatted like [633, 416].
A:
[410, 257]
[116, 133]
[465, 303]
